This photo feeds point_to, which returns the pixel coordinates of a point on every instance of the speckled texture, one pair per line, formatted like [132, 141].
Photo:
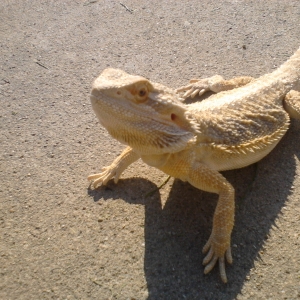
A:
[61, 241]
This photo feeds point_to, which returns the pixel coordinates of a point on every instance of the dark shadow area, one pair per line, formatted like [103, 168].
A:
[175, 236]
[131, 190]
[176, 233]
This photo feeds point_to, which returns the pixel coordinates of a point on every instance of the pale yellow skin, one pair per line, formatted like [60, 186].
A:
[235, 127]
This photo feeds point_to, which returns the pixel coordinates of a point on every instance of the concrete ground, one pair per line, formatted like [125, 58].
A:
[62, 240]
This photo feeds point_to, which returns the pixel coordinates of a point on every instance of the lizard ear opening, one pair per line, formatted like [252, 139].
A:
[180, 121]
[184, 121]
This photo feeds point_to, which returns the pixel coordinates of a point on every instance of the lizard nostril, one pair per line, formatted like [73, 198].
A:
[173, 117]
[118, 92]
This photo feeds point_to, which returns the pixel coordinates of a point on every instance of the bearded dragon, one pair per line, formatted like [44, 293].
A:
[235, 127]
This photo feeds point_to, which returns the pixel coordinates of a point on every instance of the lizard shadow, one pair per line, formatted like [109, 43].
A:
[173, 258]
[176, 233]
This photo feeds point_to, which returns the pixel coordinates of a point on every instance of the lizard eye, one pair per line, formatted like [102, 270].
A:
[142, 92]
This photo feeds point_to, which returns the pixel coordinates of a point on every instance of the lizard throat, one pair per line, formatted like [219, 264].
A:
[146, 134]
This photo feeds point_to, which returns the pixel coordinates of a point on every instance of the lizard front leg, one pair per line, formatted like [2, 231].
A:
[218, 245]
[215, 84]
[127, 157]
[291, 104]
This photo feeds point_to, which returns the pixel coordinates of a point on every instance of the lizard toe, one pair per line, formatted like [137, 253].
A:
[216, 252]
[102, 178]
[222, 269]
[211, 264]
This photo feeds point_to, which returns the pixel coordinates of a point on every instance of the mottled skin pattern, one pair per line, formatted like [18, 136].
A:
[233, 128]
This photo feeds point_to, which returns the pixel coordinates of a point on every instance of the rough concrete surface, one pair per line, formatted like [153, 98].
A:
[62, 240]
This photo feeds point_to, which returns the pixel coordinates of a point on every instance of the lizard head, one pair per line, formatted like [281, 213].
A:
[147, 116]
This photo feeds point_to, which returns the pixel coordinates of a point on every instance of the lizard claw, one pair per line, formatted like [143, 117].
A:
[103, 177]
[193, 89]
[127, 157]
[200, 86]
[215, 253]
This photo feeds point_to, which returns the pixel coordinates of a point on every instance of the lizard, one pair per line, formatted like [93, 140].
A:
[239, 124]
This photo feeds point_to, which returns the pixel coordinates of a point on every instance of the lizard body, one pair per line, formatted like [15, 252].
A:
[235, 127]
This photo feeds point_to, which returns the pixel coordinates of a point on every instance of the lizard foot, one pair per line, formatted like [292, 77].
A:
[200, 86]
[127, 157]
[216, 251]
[103, 177]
